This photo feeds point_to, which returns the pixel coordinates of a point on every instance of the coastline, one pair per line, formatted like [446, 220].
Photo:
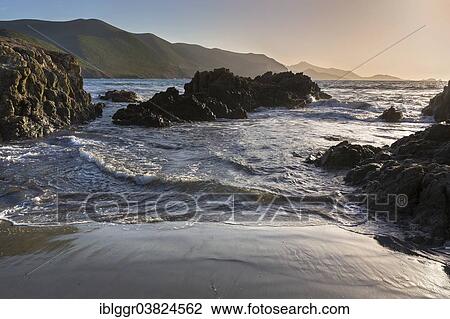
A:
[211, 260]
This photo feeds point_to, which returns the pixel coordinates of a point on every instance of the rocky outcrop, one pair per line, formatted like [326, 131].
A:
[284, 89]
[392, 115]
[439, 106]
[344, 155]
[163, 109]
[120, 96]
[417, 166]
[220, 94]
[40, 91]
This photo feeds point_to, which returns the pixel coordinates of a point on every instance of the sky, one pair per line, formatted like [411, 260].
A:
[328, 33]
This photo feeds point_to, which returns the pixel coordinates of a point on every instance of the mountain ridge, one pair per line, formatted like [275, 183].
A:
[321, 73]
[104, 50]
[111, 51]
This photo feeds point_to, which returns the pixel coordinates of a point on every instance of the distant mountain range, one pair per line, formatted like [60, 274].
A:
[110, 51]
[107, 51]
[319, 73]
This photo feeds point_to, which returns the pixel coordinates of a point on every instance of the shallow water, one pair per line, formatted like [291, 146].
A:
[248, 165]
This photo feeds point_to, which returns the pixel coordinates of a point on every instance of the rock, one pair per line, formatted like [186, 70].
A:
[120, 96]
[284, 89]
[163, 109]
[416, 166]
[136, 114]
[392, 115]
[346, 155]
[431, 144]
[224, 86]
[362, 173]
[40, 91]
[220, 109]
[446, 268]
[439, 106]
[221, 94]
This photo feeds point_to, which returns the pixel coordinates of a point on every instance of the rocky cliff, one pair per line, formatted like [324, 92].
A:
[40, 91]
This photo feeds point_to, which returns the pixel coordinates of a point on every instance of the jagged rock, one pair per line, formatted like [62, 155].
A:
[345, 155]
[418, 167]
[363, 173]
[392, 115]
[163, 109]
[221, 110]
[284, 89]
[136, 114]
[432, 144]
[120, 96]
[221, 94]
[40, 91]
[439, 106]
[224, 86]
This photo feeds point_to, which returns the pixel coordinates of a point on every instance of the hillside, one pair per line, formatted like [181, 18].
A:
[107, 51]
[319, 73]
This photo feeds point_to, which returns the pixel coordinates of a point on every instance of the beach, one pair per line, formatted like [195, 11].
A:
[208, 260]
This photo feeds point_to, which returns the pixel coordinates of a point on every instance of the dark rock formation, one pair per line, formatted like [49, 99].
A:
[344, 155]
[220, 109]
[120, 96]
[269, 90]
[392, 115]
[40, 91]
[416, 166]
[163, 109]
[221, 94]
[439, 106]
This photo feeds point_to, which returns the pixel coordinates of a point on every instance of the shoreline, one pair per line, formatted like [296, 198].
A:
[211, 261]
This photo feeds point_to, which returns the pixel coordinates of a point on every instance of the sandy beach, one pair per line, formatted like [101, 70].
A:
[177, 260]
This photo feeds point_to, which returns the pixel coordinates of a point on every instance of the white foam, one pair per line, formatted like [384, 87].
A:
[116, 170]
[74, 141]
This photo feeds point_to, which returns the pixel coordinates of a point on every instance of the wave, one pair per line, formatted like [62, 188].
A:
[123, 173]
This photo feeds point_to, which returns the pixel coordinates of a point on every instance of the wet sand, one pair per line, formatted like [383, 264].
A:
[174, 260]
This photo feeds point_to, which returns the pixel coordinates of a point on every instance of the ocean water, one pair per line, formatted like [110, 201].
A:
[229, 171]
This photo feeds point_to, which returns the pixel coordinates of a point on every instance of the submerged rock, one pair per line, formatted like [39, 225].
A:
[40, 91]
[120, 96]
[392, 115]
[439, 106]
[220, 94]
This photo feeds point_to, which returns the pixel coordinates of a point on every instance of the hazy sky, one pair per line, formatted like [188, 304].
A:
[338, 33]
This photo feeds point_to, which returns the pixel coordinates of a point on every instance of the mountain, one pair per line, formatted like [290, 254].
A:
[107, 51]
[319, 73]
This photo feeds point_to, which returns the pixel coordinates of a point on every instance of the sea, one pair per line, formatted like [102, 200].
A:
[249, 171]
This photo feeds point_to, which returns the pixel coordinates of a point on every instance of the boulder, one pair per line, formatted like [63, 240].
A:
[345, 155]
[40, 91]
[120, 96]
[439, 106]
[392, 115]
